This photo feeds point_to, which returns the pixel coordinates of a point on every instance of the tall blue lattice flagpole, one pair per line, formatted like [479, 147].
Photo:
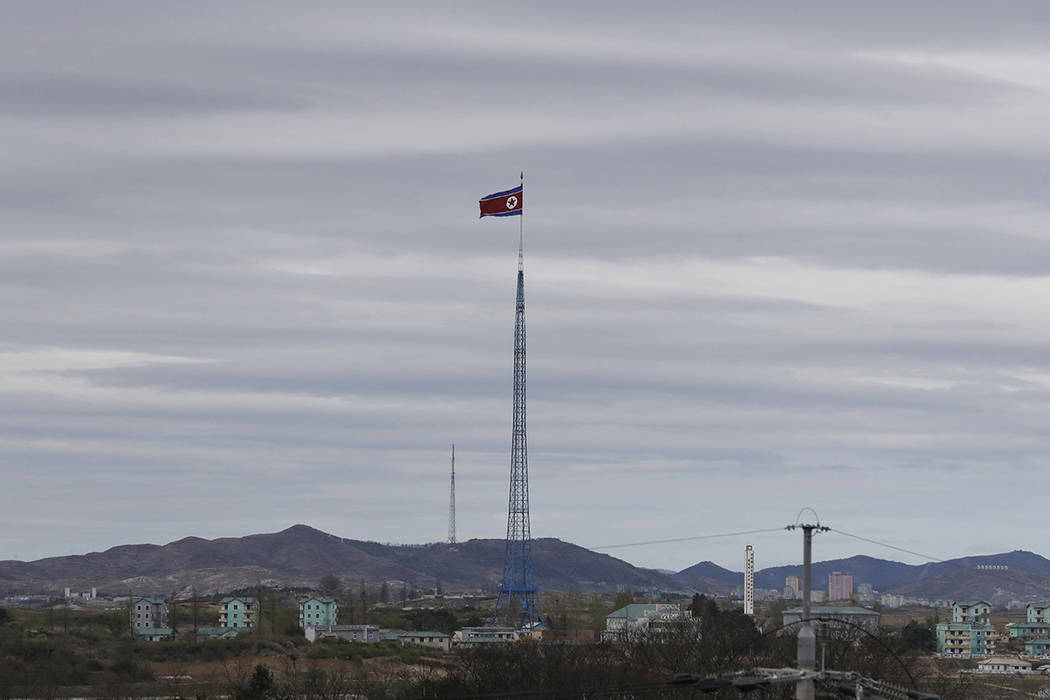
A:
[518, 586]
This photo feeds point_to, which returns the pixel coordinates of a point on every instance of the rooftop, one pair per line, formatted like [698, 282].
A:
[636, 610]
[818, 610]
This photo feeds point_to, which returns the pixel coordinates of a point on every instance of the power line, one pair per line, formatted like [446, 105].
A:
[890, 546]
[690, 539]
[1005, 575]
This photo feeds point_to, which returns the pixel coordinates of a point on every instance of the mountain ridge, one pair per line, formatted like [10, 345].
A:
[300, 555]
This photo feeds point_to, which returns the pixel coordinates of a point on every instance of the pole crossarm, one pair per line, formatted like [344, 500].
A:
[746, 681]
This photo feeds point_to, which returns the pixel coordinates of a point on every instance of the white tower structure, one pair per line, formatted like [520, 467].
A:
[749, 581]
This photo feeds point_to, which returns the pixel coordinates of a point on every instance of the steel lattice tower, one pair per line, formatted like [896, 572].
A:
[519, 581]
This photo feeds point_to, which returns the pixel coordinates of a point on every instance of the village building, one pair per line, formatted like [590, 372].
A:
[1004, 664]
[238, 612]
[365, 634]
[436, 640]
[642, 619]
[318, 610]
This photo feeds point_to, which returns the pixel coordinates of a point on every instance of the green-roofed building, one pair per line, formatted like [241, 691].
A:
[154, 634]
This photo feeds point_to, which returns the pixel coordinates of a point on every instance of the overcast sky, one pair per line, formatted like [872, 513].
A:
[777, 255]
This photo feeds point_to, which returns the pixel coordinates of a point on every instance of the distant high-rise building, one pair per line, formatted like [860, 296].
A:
[840, 586]
[865, 592]
[792, 582]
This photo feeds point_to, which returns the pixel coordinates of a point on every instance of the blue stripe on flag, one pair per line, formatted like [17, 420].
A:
[516, 190]
[516, 212]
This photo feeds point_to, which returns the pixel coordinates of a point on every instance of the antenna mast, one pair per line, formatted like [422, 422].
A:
[452, 501]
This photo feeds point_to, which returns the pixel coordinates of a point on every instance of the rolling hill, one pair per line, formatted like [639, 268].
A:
[300, 555]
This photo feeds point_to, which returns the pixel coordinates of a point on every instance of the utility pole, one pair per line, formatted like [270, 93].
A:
[807, 637]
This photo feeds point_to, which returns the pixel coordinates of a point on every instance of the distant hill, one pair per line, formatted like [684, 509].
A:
[1025, 576]
[300, 555]
[709, 577]
[880, 573]
[997, 587]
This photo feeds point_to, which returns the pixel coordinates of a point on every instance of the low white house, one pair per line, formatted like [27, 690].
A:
[472, 636]
[436, 640]
[642, 618]
[368, 634]
[1004, 664]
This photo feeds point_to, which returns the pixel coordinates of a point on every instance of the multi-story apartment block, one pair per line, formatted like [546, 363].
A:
[840, 586]
[238, 612]
[318, 610]
[966, 639]
[970, 632]
[975, 611]
[1037, 647]
[147, 612]
[793, 583]
[1029, 630]
[1038, 612]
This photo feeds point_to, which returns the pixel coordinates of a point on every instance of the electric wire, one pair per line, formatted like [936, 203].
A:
[890, 546]
[690, 539]
[1005, 575]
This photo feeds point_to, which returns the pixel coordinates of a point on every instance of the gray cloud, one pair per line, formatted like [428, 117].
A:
[775, 257]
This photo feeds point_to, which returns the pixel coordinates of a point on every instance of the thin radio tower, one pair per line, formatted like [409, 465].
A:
[518, 585]
[452, 501]
[749, 581]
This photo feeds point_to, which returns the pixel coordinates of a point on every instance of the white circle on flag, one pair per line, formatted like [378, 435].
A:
[512, 202]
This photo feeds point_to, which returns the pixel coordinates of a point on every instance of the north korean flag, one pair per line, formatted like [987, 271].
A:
[507, 203]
